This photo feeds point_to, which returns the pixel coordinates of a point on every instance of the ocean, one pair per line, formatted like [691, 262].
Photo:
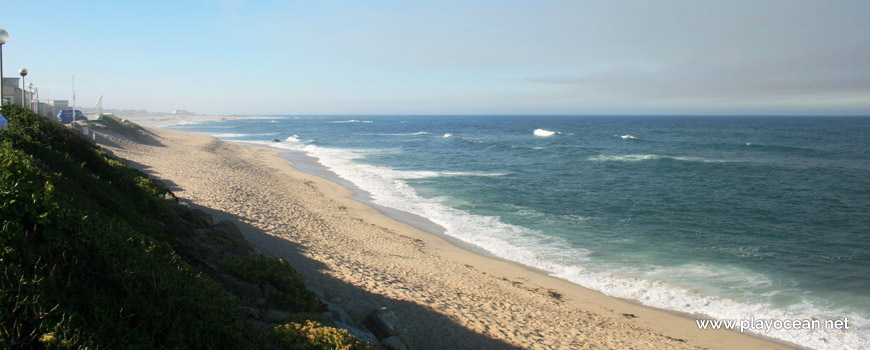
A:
[734, 218]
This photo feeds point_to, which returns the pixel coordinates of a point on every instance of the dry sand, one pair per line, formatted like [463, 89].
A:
[446, 297]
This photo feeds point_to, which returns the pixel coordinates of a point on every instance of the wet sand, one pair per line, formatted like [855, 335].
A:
[446, 297]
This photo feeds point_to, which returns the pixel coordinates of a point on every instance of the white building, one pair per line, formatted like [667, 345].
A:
[12, 91]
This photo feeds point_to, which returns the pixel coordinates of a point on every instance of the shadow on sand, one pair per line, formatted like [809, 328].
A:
[416, 319]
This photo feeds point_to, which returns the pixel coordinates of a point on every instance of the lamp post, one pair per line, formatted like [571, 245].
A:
[23, 72]
[35, 91]
[30, 103]
[4, 37]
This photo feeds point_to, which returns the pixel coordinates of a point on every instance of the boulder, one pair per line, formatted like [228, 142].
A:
[201, 218]
[382, 322]
[361, 334]
[229, 230]
[393, 343]
[339, 315]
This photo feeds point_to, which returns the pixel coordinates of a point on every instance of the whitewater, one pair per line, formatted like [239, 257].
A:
[723, 217]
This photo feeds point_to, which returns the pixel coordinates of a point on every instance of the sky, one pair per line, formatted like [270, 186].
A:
[759, 57]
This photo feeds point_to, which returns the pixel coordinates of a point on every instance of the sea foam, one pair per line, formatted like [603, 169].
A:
[644, 157]
[351, 121]
[685, 286]
[543, 133]
[411, 134]
[294, 138]
[228, 135]
[388, 187]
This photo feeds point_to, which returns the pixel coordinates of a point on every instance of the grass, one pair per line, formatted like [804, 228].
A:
[86, 260]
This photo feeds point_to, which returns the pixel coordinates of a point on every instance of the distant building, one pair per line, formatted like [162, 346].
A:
[12, 91]
[54, 106]
[58, 104]
[181, 112]
[12, 95]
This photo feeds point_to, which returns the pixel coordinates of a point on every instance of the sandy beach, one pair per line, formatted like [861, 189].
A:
[445, 296]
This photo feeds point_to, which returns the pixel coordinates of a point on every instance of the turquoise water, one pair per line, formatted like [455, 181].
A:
[730, 217]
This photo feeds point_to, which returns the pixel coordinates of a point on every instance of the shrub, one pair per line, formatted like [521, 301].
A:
[315, 336]
[83, 260]
[263, 269]
[86, 260]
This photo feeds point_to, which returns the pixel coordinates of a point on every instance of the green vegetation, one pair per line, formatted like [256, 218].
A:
[314, 336]
[84, 260]
[265, 270]
[88, 255]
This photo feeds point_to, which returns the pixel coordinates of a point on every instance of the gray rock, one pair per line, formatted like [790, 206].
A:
[201, 218]
[228, 230]
[339, 314]
[393, 343]
[382, 322]
[316, 288]
[361, 334]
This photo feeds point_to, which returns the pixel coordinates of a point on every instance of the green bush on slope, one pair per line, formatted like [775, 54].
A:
[264, 270]
[83, 260]
[314, 336]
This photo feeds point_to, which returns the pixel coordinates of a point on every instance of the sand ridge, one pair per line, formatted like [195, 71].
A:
[446, 297]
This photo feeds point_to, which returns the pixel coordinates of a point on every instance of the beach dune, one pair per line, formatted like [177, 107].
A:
[446, 297]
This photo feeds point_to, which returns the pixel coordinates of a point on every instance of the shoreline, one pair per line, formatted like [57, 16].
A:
[518, 305]
[309, 165]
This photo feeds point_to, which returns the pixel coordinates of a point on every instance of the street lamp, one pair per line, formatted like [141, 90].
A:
[4, 37]
[23, 72]
[30, 105]
[35, 91]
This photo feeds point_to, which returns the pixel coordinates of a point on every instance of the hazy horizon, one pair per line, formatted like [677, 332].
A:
[449, 57]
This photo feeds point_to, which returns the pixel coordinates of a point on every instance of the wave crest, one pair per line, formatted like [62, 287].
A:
[644, 157]
[351, 121]
[543, 133]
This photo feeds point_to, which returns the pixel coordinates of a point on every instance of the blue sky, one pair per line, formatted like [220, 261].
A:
[448, 57]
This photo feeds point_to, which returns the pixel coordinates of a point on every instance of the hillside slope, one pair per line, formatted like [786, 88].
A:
[94, 254]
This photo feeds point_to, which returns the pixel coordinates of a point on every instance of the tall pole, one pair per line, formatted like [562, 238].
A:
[4, 36]
[30, 103]
[73, 124]
[23, 72]
[1, 72]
